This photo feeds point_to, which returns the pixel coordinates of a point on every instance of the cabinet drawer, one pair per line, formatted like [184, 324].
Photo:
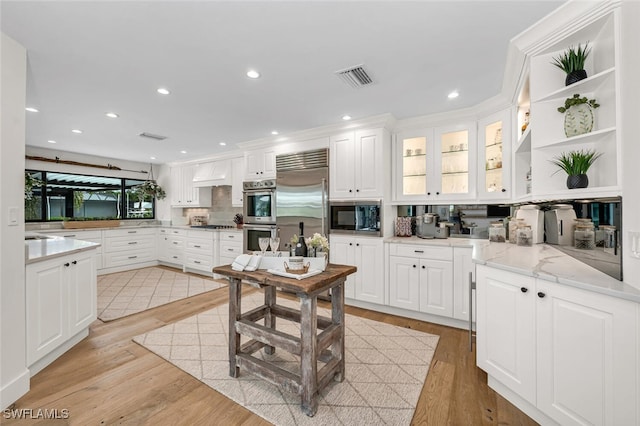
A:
[231, 236]
[117, 244]
[421, 252]
[175, 256]
[129, 232]
[200, 235]
[230, 249]
[200, 246]
[175, 243]
[172, 231]
[198, 261]
[130, 258]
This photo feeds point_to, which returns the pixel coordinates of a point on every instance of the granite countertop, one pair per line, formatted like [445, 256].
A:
[540, 261]
[48, 248]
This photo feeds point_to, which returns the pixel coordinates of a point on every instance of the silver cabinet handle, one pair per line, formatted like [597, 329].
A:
[133, 242]
[196, 261]
[132, 232]
[196, 246]
[175, 242]
[232, 236]
[69, 236]
[418, 251]
[133, 257]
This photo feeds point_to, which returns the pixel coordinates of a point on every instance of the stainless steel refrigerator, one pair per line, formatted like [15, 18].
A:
[302, 194]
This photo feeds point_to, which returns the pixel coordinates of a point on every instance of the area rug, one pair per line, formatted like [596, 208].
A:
[386, 367]
[125, 293]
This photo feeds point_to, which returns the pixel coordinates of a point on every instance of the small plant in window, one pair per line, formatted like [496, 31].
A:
[151, 188]
[30, 182]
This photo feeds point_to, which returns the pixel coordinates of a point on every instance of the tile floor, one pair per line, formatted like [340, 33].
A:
[125, 293]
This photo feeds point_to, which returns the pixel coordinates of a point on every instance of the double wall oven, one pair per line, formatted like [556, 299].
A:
[259, 212]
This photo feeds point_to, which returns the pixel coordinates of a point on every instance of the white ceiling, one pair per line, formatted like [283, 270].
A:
[87, 58]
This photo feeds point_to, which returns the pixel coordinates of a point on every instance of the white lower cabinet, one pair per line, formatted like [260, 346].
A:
[463, 266]
[61, 302]
[230, 246]
[171, 244]
[571, 354]
[199, 251]
[126, 247]
[421, 279]
[367, 254]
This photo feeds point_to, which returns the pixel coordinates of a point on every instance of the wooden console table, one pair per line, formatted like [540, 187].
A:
[327, 347]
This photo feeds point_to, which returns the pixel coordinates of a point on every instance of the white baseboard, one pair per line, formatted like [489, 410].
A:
[12, 391]
[37, 366]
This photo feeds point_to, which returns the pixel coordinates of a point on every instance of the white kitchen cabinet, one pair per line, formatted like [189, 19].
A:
[182, 191]
[463, 266]
[505, 328]
[569, 353]
[199, 251]
[171, 243]
[421, 279]
[237, 177]
[359, 164]
[127, 247]
[494, 157]
[230, 243]
[435, 164]
[61, 302]
[260, 164]
[366, 254]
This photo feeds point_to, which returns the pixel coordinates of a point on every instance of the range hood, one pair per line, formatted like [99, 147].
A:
[214, 173]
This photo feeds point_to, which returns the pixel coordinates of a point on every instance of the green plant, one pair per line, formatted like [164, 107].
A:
[238, 219]
[576, 162]
[577, 100]
[573, 58]
[30, 182]
[151, 188]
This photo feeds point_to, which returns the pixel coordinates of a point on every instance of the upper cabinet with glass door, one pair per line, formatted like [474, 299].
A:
[455, 161]
[494, 155]
[413, 158]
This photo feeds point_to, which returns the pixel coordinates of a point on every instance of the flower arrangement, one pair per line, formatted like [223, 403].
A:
[238, 219]
[318, 241]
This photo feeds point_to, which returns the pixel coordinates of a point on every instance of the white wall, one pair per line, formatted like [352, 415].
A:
[14, 376]
[630, 103]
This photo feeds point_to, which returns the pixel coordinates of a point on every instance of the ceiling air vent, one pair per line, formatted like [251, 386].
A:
[152, 136]
[355, 76]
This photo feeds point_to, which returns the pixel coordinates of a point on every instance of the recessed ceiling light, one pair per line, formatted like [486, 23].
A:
[31, 109]
[183, 152]
[453, 95]
[78, 131]
[223, 144]
[153, 158]
[346, 117]
[274, 132]
[112, 115]
[51, 141]
[163, 91]
[253, 74]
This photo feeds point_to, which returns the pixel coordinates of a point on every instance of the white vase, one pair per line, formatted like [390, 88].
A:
[578, 119]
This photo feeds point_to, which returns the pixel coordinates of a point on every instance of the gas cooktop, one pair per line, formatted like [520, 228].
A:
[213, 226]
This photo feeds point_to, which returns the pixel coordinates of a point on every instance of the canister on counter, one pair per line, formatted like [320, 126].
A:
[525, 236]
[497, 233]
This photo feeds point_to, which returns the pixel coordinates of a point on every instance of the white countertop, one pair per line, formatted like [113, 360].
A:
[52, 247]
[540, 261]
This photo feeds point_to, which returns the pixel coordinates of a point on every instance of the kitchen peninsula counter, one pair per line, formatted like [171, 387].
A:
[541, 261]
[38, 250]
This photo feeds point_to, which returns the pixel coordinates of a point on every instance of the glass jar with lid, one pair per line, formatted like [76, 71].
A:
[513, 229]
[584, 235]
[610, 240]
[525, 236]
[497, 233]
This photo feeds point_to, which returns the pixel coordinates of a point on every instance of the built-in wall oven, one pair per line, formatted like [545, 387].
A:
[260, 201]
[252, 232]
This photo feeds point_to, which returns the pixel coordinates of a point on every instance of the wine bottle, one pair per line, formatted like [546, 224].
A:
[301, 245]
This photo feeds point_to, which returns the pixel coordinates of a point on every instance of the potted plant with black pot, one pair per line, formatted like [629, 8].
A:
[576, 164]
[572, 63]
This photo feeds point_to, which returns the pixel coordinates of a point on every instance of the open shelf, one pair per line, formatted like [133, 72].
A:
[579, 140]
[589, 84]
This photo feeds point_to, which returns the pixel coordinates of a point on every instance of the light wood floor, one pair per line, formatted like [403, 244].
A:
[108, 379]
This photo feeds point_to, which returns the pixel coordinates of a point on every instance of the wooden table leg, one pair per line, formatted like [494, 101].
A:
[337, 317]
[270, 319]
[235, 295]
[309, 358]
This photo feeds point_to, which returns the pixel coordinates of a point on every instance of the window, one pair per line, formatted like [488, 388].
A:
[67, 195]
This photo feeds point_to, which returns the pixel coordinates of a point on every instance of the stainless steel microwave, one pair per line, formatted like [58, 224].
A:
[356, 217]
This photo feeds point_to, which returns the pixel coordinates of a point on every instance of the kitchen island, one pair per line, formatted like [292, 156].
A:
[327, 347]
